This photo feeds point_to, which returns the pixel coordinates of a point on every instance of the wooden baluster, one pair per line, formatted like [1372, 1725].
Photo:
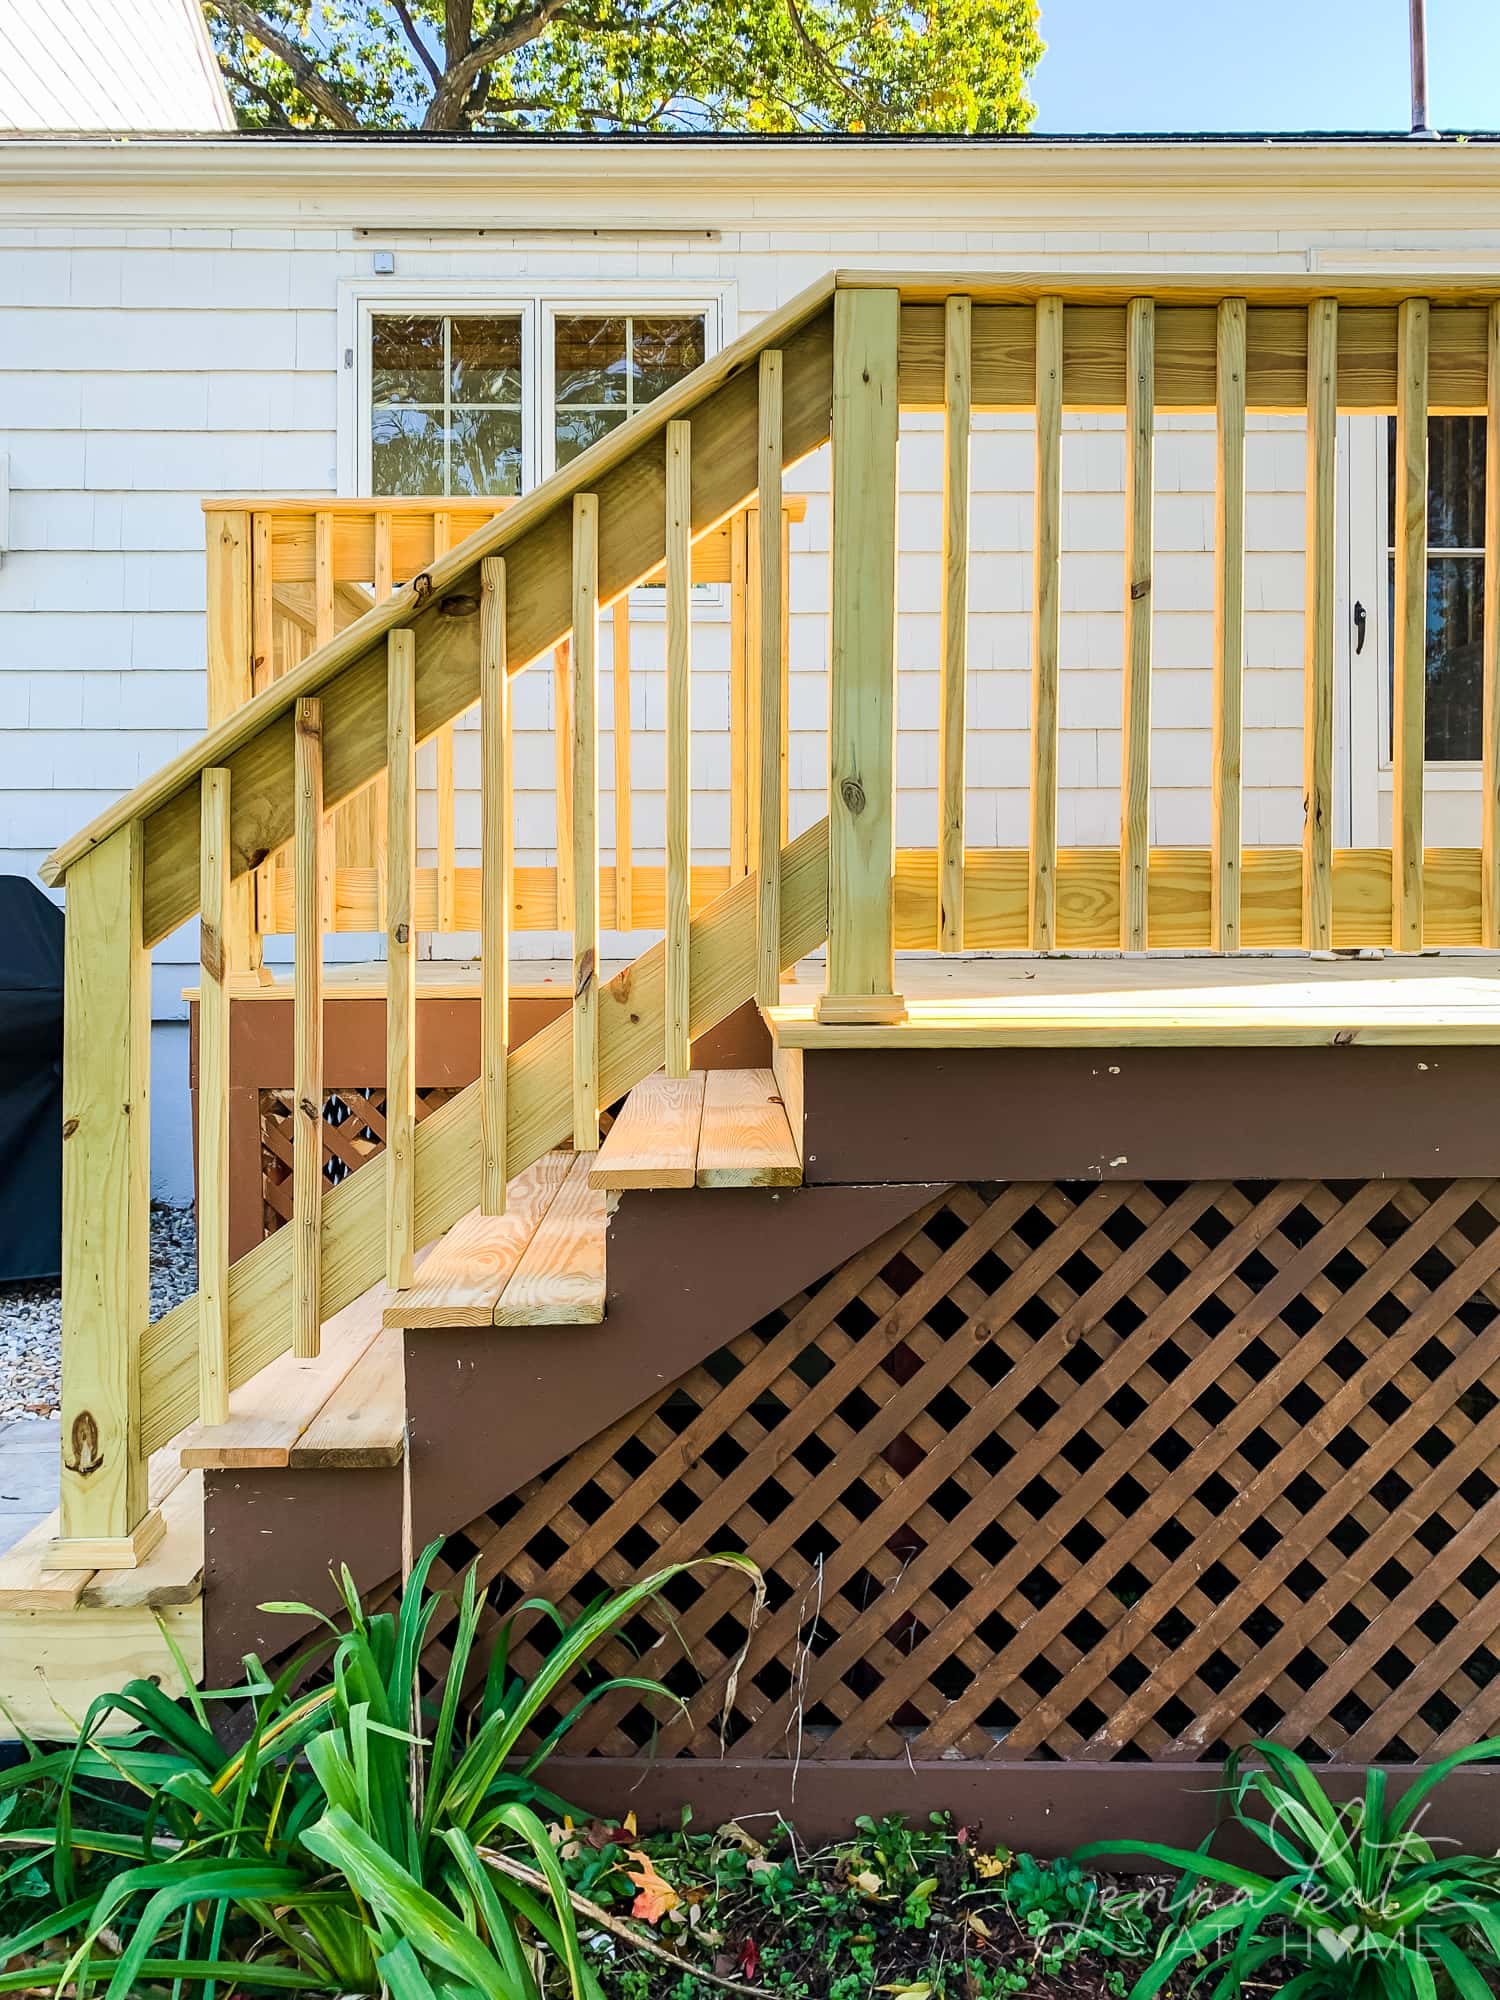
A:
[494, 884]
[213, 1100]
[232, 591]
[262, 895]
[307, 1032]
[739, 679]
[1046, 626]
[1409, 636]
[958, 341]
[1489, 874]
[324, 629]
[385, 584]
[752, 684]
[679, 558]
[1322, 570]
[620, 670]
[786, 675]
[447, 866]
[106, 1521]
[769, 670]
[1135, 737]
[562, 706]
[585, 823]
[862, 661]
[400, 958]
[1229, 627]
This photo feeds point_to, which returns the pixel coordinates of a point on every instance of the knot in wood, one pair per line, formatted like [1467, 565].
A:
[85, 1457]
[459, 606]
[852, 792]
[403, 933]
[70, 1126]
[583, 974]
[310, 1110]
[421, 584]
[1139, 589]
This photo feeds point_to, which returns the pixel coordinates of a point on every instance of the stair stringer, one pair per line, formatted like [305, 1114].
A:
[539, 1085]
[687, 1270]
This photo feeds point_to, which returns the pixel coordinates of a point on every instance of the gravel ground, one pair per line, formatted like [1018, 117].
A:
[31, 1315]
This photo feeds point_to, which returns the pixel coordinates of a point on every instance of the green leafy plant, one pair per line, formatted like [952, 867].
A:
[339, 1848]
[1362, 1907]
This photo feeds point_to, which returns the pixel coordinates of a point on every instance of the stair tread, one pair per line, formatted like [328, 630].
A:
[363, 1423]
[466, 1273]
[269, 1413]
[746, 1137]
[653, 1143]
[560, 1278]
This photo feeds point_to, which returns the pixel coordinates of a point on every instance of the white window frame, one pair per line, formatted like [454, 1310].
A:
[360, 300]
[1367, 556]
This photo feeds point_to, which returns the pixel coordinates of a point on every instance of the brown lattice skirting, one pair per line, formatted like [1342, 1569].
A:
[1050, 1475]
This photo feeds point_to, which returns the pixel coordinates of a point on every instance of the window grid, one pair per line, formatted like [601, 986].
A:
[450, 404]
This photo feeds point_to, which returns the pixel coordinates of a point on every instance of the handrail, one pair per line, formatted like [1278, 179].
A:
[840, 364]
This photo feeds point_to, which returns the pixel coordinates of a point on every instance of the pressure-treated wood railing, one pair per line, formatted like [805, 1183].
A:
[839, 364]
[286, 574]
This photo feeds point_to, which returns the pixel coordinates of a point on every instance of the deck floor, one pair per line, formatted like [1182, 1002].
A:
[1282, 998]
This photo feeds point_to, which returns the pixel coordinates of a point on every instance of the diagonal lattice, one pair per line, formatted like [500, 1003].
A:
[1052, 1471]
[353, 1132]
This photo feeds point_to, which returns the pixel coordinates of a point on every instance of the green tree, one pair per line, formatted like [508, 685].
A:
[629, 65]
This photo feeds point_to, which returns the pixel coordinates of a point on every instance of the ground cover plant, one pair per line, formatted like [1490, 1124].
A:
[350, 1837]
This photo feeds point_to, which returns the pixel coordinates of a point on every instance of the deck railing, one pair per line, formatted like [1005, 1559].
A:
[839, 364]
[287, 574]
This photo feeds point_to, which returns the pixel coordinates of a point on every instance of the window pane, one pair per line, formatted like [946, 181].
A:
[1455, 656]
[487, 451]
[1455, 482]
[485, 360]
[589, 362]
[578, 429]
[664, 350]
[407, 361]
[406, 451]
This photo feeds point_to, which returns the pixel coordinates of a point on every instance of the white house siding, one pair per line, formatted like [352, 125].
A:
[170, 328]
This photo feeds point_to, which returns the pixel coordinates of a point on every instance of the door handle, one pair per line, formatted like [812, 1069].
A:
[1360, 624]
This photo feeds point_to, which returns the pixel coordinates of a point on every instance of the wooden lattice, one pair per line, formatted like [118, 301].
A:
[1066, 1472]
[353, 1132]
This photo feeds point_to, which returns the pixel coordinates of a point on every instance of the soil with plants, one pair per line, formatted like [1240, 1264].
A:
[340, 1829]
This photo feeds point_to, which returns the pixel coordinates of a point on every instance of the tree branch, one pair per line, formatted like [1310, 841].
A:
[304, 72]
[420, 49]
[822, 60]
[502, 40]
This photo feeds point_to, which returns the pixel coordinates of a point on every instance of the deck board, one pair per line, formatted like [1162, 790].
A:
[363, 1423]
[560, 1280]
[746, 1140]
[466, 1272]
[653, 1143]
[1120, 1000]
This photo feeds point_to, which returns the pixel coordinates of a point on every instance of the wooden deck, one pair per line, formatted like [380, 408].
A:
[1147, 1001]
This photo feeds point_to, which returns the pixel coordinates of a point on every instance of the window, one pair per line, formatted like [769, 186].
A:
[446, 405]
[1455, 581]
[606, 366]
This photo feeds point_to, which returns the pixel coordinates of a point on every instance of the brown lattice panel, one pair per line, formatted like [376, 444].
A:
[353, 1132]
[1132, 1471]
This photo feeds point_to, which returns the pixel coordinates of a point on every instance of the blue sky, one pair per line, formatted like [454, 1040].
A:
[1271, 65]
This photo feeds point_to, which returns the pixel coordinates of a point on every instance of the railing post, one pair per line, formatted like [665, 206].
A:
[231, 683]
[400, 959]
[213, 1101]
[307, 1031]
[1229, 625]
[1322, 557]
[958, 341]
[1409, 633]
[1489, 863]
[105, 1518]
[1046, 625]
[585, 771]
[496, 849]
[862, 661]
[769, 670]
[677, 535]
[1135, 707]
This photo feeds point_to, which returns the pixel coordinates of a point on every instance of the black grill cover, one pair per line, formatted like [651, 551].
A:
[31, 1013]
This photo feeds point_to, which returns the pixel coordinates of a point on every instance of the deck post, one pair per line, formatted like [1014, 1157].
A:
[862, 664]
[105, 1520]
